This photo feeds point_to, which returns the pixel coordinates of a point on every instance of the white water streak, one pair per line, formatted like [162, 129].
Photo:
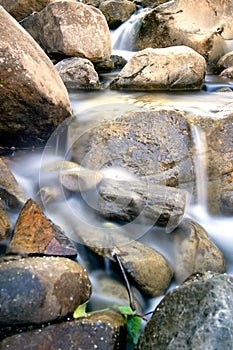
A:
[200, 163]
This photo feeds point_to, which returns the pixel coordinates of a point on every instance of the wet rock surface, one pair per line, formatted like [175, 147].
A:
[218, 158]
[34, 233]
[10, 191]
[31, 107]
[41, 289]
[71, 28]
[78, 73]
[141, 201]
[103, 330]
[173, 68]
[5, 224]
[148, 269]
[153, 145]
[195, 252]
[195, 316]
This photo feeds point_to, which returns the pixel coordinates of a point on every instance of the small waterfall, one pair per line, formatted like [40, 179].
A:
[123, 36]
[200, 163]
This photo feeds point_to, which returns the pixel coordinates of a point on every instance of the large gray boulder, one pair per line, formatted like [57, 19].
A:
[195, 316]
[205, 26]
[33, 100]
[172, 68]
[70, 28]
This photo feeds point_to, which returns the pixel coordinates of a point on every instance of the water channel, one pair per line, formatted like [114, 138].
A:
[90, 107]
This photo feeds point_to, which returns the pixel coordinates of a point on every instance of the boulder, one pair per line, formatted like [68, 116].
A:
[195, 316]
[70, 28]
[103, 330]
[153, 145]
[41, 289]
[172, 68]
[31, 107]
[217, 155]
[5, 224]
[194, 251]
[20, 9]
[78, 73]
[10, 191]
[34, 233]
[146, 203]
[117, 11]
[204, 26]
[148, 269]
[225, 62]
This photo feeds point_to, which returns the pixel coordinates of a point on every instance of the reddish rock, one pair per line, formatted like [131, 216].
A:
[34, 233]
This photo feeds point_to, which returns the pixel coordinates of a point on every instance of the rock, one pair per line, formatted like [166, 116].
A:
[141, 201]
[172, 68]
[34, 233]
[30, 106]
[81, 179]
[218, 158]
[195, 316]
[10, 191]
[117, 11]
[103, 330]
[78, 73]
[41, 289]
[225, 62]
[5, 224]
[227, 73]
[206, 28]
[110, 292]
[71, 28]
[148, 269]
[150, 3]
[152, 145]
[20, 9]
[194, 251]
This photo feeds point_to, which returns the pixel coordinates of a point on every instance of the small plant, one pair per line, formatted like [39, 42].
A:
[133, 320]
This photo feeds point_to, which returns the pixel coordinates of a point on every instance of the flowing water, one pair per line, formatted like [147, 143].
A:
[94, 106]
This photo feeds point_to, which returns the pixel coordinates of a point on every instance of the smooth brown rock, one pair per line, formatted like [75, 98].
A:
[171, 68]
[31, 107]
[129, 200]
[5, 224]
[70, 28]
[194, 251]
[34, 233]
[10, 191]
[41, 289]
[148, 269]
[103, 330]
[23, 8]
[117, 12]
[226, 61]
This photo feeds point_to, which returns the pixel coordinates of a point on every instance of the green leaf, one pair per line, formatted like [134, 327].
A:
[126, 310]
[80, 311]
[133, 328]
[133, 323]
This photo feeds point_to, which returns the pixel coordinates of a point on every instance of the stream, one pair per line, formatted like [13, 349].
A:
[91, 107]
